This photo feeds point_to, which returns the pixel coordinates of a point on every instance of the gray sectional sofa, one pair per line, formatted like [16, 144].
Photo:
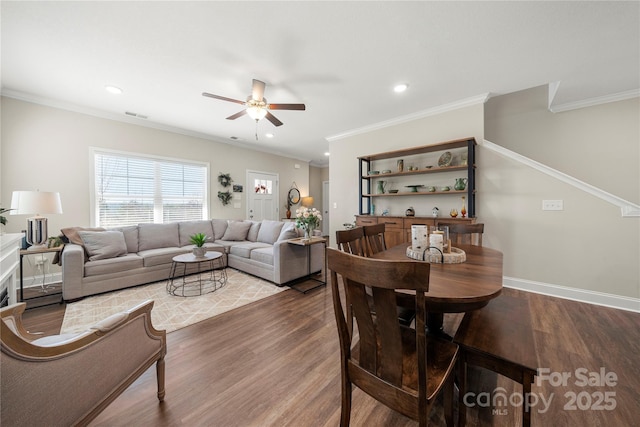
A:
[97, 260]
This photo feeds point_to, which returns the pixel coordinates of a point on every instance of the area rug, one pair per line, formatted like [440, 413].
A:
[169, 312]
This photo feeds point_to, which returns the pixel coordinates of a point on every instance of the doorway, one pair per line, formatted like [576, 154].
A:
[262, 196]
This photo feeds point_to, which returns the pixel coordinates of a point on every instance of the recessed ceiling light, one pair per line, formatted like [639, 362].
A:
[400, 88]
[326, 154]
[269, 135]
[113, 89]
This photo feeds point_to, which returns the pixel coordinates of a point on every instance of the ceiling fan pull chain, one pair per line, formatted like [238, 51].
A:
[256, 130]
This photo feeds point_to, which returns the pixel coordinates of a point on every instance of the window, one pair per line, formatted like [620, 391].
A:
[130, 189]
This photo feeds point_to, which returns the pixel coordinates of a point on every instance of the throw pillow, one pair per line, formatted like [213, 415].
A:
[289, 231]
[269, 231]
[103, 244]
[72, 236]
[237, 230]
[252, 236]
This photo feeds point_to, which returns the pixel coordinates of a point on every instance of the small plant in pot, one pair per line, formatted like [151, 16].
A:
[199, 240]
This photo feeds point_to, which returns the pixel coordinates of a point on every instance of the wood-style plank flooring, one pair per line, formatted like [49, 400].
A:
[276, 363]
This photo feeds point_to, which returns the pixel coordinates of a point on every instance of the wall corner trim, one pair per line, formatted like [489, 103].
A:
[627, 208]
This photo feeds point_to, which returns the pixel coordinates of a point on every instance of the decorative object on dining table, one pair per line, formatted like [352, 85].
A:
[410, 211]
[434, 212]
[414, 188]
[419, 238]
[445, 159]
[400, 164]
[463, 211]
[461, 184]
[308, 219]
[199, 239]
[382, 185]
[453, 213]
[457, 256]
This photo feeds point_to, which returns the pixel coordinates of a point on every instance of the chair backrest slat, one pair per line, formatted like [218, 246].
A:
[374, 235]
[466, 234]
[352, 241]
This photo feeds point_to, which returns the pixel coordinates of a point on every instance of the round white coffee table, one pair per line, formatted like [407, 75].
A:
[193, 276]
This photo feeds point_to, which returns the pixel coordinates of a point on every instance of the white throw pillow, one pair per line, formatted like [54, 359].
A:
[237, 230]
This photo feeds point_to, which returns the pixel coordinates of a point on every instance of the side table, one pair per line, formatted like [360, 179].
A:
[307, 243]
[26, 252]
[180, 285]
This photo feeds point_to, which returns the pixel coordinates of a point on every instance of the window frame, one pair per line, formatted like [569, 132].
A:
[94, 212]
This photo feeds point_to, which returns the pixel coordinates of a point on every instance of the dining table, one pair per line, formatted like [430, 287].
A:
[456, 287]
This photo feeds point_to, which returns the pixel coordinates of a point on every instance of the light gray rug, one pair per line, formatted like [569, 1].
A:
[169, 312]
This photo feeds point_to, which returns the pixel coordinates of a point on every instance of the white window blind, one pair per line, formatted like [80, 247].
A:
[131, 189]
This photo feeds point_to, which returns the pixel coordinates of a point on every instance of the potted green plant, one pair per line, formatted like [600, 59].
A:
[3, 219]
[199, 239]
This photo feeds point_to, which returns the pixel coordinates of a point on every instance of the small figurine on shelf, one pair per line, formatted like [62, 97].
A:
[434, 212]
[463, 211]
[453, 213]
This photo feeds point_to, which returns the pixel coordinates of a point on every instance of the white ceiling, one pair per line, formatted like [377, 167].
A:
[339, 58]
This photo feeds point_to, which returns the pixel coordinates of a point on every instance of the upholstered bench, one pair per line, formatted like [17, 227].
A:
[498, 337]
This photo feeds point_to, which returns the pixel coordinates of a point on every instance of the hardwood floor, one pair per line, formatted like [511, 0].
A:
[276, 363]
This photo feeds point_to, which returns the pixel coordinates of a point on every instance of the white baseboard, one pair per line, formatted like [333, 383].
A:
[581, 295]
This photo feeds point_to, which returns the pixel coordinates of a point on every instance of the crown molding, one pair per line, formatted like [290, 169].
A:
[467, 102]
[589, 102]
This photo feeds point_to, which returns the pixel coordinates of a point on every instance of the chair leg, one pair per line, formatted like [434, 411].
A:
[448, 401]
[160, 377]
[345, 413]
[462, 390]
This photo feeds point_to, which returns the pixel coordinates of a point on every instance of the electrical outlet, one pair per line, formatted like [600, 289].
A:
[552, 205]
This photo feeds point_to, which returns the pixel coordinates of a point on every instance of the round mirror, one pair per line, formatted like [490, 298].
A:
[294, 196]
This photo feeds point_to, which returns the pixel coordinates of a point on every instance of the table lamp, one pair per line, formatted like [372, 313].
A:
[307, 201]
[36, 203]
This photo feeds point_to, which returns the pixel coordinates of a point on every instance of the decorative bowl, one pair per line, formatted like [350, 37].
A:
[393, 191]
[374, 172]
[386, 171]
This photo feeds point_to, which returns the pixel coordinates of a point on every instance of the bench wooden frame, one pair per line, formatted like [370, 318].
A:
[498, 337]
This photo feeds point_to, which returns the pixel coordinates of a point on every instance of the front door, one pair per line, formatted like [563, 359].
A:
[262, 196]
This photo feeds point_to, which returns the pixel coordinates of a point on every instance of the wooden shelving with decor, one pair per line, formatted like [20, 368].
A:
[369, 177]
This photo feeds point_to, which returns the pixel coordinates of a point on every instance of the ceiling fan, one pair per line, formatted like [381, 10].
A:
[257, 106]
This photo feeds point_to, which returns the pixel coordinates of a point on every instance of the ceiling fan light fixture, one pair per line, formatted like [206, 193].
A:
[256, 113]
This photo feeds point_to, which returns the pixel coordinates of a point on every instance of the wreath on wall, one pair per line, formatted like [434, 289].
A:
[224, 179]
[225, 197]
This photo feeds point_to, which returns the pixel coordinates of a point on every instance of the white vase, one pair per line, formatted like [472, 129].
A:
[199, 252]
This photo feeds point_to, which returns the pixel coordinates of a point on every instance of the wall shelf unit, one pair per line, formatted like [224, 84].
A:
[461, 155]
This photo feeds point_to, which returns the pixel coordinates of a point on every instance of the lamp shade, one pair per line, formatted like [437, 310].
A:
[307, 201]
[35, 203]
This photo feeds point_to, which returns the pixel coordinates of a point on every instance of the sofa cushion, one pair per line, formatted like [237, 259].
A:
[71, 233]
[219, 227]
[153, 236]
[237, 230]
[130, 237]
[252, 236]
[264, 255]
[103, 244]
[189, 228]
[244, 250]
[269, 231]
[160, 256]
[289, 231]
[112, 265]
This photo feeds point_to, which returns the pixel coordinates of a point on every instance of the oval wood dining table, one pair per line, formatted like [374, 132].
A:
[457, 288]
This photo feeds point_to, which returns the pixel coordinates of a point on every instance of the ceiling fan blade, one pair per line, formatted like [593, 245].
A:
[257, 91]
[236, 115]
[223, 98]
[287, 107]
[273, 119]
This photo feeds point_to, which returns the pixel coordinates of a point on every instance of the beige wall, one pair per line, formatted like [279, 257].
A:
[48, 149]
[343, 173]
[588, 247]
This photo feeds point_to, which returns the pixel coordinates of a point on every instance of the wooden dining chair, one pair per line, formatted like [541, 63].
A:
[374, 236]
[466, 234]
[352, 241]
[401, 367]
